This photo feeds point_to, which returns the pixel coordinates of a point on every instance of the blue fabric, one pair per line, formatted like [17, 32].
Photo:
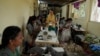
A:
[95, 47]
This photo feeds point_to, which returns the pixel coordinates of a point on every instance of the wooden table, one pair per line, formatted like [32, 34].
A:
[77, 34]
[52, 41]
[78, 31]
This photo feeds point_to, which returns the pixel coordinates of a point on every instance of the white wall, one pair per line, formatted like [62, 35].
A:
[15, 12]
[92, 27]
[64, 11]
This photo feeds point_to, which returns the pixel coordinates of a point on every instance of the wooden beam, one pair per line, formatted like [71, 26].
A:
[55, 0]
[59, 2]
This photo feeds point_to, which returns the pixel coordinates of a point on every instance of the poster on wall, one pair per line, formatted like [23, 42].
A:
[82, 10]
[79, 13]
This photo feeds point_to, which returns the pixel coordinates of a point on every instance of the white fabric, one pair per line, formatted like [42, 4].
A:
[66, 34]
[58, 49]
[50, 24]
[53, 39]
[52, 33]
[76, 28]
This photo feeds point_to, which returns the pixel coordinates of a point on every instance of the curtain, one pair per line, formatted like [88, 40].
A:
[98, 3]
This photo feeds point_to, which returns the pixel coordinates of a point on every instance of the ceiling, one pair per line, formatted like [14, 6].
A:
[58, 2]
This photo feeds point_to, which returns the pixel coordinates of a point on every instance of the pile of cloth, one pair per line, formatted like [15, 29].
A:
[95, 47]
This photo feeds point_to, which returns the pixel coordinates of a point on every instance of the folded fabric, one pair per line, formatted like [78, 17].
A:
[95, 47]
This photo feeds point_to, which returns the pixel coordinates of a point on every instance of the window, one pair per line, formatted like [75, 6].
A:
[95, 14]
